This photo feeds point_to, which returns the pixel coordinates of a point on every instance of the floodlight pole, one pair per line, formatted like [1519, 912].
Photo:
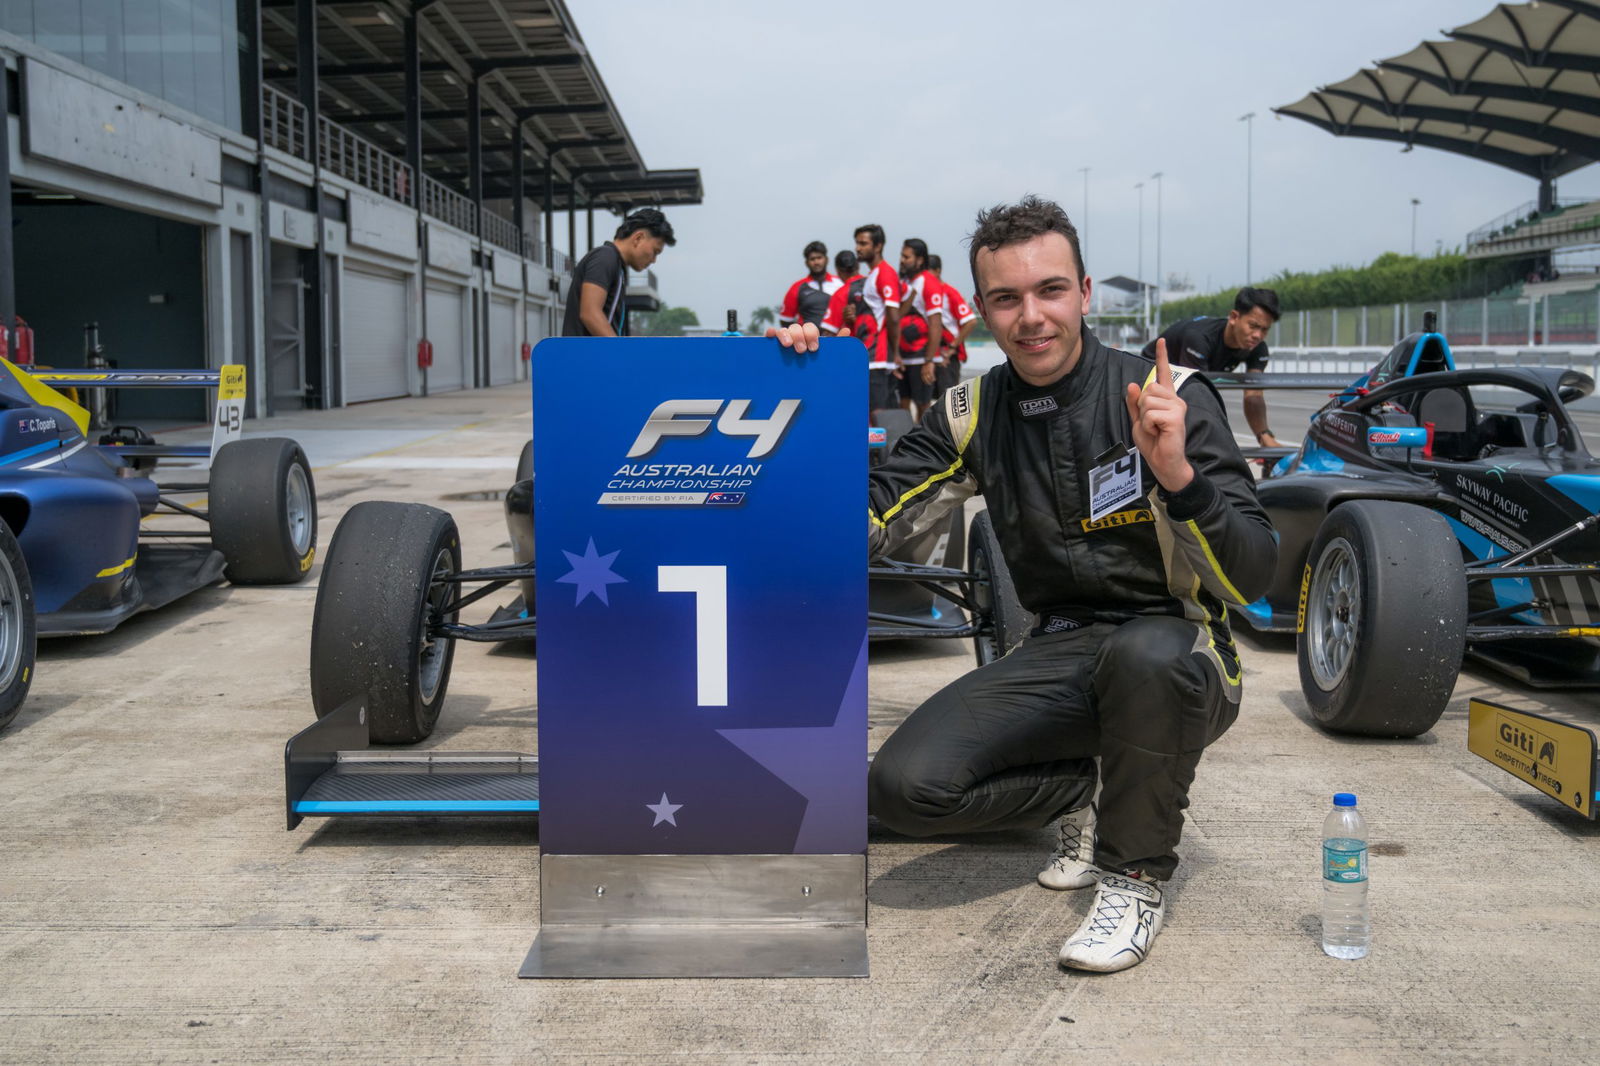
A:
[1143, 289]
[1414, 203]
[1249, 137]
[1083, 235]
[1156, 177]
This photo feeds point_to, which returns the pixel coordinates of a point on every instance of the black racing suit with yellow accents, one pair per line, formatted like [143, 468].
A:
[1131, 660]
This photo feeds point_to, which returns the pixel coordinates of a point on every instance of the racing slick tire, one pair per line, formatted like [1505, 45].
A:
[1002, 619]
[1385, 619]
[17, 632]
[525, 463]
[381, 593]
[263, 507]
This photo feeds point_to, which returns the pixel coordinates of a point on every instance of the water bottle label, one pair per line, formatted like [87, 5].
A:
[1344, 860]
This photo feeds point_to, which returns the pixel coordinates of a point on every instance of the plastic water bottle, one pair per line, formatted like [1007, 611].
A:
[1346, 922]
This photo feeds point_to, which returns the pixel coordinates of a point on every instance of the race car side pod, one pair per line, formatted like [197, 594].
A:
[1513, 568]
[1544, 545]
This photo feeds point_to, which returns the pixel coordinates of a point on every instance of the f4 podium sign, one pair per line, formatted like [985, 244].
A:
[702, 658]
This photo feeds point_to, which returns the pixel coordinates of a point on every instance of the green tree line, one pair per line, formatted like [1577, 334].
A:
[1390, 278]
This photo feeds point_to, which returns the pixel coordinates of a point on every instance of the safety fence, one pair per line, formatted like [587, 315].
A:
[1555, 318]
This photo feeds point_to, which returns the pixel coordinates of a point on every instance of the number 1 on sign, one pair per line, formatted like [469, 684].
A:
[710, 587]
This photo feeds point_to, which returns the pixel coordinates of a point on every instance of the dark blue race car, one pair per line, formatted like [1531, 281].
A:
[83, 540]
[1433, 513]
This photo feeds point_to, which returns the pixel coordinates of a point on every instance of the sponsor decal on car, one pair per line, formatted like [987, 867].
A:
[1556, 758]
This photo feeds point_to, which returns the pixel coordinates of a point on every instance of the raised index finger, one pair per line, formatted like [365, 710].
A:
[1163, 368]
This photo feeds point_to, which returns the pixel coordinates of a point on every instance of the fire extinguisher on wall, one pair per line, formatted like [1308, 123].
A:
[527, 351]
[424, 353]
[22, 354]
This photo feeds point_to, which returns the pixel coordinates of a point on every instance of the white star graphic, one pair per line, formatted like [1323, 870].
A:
[665, 811]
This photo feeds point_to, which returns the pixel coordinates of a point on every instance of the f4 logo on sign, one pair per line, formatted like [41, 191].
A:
[691, 418]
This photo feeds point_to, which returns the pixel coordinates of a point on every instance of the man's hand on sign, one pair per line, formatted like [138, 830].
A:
[1159, 433]
[802, 337]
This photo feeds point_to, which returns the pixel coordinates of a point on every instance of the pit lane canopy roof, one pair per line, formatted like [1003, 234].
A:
[531, 67]
[1520, 87]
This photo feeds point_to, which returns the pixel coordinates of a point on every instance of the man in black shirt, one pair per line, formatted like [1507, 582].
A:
[596, 298]
[1220, 344]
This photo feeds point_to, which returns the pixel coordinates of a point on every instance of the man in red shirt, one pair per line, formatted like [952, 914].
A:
[961, 318]
[922, 320]
[807, 299]
[876, 320]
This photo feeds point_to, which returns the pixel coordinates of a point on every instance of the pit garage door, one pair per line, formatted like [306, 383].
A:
[538, 322]
[504, 343]
[448, 372]
[374, 335]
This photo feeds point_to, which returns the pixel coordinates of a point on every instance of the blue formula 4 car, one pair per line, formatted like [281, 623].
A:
[83, 540]
[1433, 513]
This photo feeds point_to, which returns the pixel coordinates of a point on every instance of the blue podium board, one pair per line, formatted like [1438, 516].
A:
[702, 653]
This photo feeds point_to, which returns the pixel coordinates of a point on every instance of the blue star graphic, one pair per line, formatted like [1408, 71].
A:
[591, 572]
[664, 811]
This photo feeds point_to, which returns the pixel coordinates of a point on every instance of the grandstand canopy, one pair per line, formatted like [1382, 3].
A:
[521, 62]
[1520, 88]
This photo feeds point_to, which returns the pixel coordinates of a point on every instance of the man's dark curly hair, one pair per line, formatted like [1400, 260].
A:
[1005, 224]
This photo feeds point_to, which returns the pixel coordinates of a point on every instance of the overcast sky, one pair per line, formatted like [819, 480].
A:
[807, 119]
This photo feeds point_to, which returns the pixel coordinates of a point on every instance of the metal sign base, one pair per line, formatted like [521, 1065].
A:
[700, 916]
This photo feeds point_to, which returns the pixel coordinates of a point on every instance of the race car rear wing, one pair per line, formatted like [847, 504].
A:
[228, 415]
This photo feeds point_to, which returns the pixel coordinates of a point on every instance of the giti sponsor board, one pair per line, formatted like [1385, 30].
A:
[1556, 758]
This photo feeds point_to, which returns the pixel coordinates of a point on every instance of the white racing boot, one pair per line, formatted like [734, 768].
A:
[1072, 864]
[1120, 927]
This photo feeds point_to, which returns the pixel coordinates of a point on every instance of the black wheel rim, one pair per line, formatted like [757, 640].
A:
[435, 650]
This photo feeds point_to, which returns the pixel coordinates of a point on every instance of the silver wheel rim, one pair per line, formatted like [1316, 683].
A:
[430, 660]
[11, 624]
[1333, 612]
[297, 508]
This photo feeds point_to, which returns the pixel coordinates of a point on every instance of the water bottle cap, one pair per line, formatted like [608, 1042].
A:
[1344, 799]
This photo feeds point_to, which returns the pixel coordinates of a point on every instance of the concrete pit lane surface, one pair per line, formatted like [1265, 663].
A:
[153, 909]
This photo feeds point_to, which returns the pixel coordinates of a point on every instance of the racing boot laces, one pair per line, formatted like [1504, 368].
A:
[1072, 863]
[1120, 927]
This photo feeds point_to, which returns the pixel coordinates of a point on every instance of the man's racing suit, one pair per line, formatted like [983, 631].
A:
[1131, 660]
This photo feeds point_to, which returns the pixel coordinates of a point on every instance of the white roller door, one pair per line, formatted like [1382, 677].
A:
[373, 333]
[538, 322]
[504, 342]
[445, 331]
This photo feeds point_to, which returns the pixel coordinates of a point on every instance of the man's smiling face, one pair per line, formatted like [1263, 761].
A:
[1033, 301]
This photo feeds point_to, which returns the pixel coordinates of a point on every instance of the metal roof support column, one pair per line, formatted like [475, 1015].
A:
[590, 205]
[1547, 194]
[412, 61]
[572, 223]
[319, 369]
[546, 205]
[8, 264]
[475, 148]
[519, 179]
[259, 397]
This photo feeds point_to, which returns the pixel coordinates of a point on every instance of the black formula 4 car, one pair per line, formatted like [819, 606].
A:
[1432, 513]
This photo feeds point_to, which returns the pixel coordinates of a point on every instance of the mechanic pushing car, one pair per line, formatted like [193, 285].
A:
[1220, 344]
[1129, 521]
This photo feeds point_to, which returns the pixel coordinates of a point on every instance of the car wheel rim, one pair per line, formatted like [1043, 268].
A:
[1333, 612]
[297, 508]
[11, 624]
[430, 660]
[982, 594]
